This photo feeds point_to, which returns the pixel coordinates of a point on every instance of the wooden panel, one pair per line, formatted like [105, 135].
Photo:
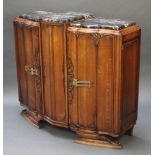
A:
[28, 54]
[29, 62]
[91, 57]
[20, 62]
[48, 71]
[86, 66]
[131, 58]
[54, 54]
[37, 65]
[105, 84]
[32, 60]
[59, 74]
[117, 79]
[72, 72]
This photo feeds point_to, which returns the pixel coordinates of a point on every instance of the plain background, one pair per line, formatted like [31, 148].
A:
[19, 136]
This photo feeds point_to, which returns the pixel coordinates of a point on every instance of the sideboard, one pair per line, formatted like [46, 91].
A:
[80, 72]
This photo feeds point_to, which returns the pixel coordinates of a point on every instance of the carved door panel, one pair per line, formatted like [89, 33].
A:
[54, 66]
[90, 81]
[28, 63]
[82, 56]
[86, 81]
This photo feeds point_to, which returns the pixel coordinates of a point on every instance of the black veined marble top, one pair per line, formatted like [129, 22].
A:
[56, 17]
[102, 23]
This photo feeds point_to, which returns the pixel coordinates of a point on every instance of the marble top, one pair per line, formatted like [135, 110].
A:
[56, 17]
[102, 23]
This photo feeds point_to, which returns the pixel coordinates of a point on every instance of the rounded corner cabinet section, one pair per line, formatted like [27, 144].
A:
[103, 73]
[28, 54]
[79, 72]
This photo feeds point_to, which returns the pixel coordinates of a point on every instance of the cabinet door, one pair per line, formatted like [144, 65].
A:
[54, 66]
[28, 63]
[82, 67]
[90, 81]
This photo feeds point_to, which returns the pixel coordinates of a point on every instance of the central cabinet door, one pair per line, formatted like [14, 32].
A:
[54, 67]
[90, 81]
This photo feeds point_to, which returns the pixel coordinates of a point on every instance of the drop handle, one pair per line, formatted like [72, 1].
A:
[78, 83]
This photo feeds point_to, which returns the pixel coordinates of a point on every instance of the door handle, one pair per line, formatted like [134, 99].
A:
[78, 83]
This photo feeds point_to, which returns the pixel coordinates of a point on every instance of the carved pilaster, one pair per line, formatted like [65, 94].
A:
[70, 77]
[37, 67]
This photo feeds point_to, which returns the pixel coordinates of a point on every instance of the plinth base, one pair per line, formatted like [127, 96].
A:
[31, 118]
[99, 143]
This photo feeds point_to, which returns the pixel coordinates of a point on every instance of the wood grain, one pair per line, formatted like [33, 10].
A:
[54, 66]
[109, 59]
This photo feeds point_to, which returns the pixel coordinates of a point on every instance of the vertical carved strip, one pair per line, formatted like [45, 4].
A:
[70, 76]
[37, 64]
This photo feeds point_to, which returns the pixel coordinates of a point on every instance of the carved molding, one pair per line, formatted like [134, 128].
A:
[37, 66]
[95, 36]
[77, 33]
[70, 76]
[26, 22]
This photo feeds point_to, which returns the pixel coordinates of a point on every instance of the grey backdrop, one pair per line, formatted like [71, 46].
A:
[19, 136]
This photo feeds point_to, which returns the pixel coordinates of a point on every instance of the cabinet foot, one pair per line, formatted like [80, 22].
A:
[103, 142]
[32, 118]
[129, 132]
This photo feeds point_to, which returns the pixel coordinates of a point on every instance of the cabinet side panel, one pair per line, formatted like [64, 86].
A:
[59, 73]
[117, 79]
[28, 41]
[105, 85]
[20, 63]
[53, 63]
[131, 56]
[87, 72]
[48, 71]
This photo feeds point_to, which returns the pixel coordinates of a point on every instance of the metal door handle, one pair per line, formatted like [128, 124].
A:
[78, 83]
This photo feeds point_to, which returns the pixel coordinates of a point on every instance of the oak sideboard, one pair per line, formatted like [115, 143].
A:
[79, 71]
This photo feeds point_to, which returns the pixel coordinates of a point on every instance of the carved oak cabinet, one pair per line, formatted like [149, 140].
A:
[40, 39]
[81, 75]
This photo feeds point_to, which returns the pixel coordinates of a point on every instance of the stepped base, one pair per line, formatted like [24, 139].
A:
[84, 136]
[99, 143]
[31, 118]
